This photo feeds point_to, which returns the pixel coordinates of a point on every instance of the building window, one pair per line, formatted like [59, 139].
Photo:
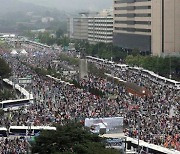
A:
[133, 29]
[130, 15]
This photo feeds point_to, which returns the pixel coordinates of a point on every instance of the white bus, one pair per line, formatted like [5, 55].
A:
[165, 81]
[173, 83]
[123, 67]
[14, 104]
[95, 59]
[28, 130]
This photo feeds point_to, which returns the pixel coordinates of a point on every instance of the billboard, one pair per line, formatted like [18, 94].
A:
[108, 123]
[116, 143]
[24, 80]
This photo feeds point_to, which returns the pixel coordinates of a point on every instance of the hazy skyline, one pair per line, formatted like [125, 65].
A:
[67, 5]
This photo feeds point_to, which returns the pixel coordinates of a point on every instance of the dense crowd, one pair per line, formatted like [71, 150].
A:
[57, 102]
[158, 116]
[13, 146]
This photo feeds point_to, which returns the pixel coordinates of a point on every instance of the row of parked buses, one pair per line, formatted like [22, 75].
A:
[149, 74]
[105, 61]
[23, 130]
[157, 78]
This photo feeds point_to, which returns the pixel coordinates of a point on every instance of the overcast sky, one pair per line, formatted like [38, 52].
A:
[91, 5]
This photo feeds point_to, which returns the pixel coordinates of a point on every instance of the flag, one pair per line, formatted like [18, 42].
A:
[168, 141]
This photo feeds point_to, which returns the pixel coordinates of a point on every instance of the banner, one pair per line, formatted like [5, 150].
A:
[109, 124]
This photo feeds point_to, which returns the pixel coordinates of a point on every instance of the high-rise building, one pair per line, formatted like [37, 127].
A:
[70, 28]
[77, 27]
[100, 28]
[80, 28]
[94, 27]
[148, 25]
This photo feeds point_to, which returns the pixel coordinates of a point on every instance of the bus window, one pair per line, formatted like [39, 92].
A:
[14, 131]
[14, 103]
[28, 131]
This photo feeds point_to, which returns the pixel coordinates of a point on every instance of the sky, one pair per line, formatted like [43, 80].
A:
[67, 5]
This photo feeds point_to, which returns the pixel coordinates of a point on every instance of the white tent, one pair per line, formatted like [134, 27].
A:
[14, 52]
[23, 52]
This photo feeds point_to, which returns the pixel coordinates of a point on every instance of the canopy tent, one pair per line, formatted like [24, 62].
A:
[14, 52]
[23, 51]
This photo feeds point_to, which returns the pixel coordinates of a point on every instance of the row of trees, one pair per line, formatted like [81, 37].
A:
[103, 50]
[163, 66]
[48, 39]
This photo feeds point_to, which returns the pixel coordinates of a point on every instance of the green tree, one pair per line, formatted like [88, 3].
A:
[160, 65]
[59, 33]
[45, 38]
[64, 41]
[5, 70]
[70, 138]
[29, 34]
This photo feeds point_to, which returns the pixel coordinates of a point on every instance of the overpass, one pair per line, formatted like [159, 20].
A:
[132, 143]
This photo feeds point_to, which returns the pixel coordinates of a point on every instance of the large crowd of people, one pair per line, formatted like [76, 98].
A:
[13, 146]
[57, 102]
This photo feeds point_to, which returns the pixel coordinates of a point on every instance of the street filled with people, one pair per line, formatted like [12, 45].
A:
[156, 117]
[13, 146]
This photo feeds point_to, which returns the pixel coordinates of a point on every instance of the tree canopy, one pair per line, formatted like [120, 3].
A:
[70, 138]
[163, 66]
[46, 38]
[103, 50]
[5, 70]
[59, 33]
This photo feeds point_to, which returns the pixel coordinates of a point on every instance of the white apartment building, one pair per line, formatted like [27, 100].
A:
[94, 27]
[100, 29]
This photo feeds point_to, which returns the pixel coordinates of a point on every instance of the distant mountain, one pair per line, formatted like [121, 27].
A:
[14, 17]
[74, 5]
[8, 6]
